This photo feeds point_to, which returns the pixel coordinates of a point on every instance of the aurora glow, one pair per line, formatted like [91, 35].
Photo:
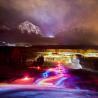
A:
[54, 16]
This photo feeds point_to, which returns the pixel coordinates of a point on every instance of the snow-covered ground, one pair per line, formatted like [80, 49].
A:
[32, 91]
[62, 83]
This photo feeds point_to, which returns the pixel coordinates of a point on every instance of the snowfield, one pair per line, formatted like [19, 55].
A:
[33, 91]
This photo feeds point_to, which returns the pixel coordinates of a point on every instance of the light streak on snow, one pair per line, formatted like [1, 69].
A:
[58, 78]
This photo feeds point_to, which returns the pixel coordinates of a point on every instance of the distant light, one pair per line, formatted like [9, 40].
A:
[91, 55]
[49, 53]
[10, 44]
[38, 68]
[26, 78]
[51, 36]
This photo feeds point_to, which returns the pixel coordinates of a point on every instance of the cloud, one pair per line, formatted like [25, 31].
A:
[48, 12]
[53, 15]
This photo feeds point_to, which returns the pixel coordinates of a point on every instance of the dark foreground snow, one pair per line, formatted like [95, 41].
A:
[29, 91]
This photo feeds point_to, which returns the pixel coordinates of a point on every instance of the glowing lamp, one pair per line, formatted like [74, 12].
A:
[51, 36]
[26, 78]
[38, 68]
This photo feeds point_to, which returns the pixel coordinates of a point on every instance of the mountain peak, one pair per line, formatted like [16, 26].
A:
[28, 27]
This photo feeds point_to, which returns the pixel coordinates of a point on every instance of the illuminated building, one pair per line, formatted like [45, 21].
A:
[66, 56]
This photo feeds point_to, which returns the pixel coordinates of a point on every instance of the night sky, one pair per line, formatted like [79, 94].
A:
[54, 16]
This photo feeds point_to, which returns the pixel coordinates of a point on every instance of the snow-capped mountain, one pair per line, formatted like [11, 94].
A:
[24, 34]
[28, 27]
